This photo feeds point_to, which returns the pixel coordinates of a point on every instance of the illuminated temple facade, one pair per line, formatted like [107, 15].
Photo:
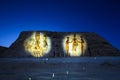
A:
[60, 44]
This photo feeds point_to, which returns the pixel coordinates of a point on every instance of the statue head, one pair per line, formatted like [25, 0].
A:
[67, 38]
[37, 36]
[45, 37]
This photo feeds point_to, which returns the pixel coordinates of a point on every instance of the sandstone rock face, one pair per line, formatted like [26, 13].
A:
[96, 45]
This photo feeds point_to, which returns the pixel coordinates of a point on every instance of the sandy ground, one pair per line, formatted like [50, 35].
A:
[60, 69]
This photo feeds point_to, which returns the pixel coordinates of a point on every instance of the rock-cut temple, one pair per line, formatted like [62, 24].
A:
[60, 44]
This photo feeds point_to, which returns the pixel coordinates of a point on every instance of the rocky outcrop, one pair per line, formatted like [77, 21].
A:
[96, 45]
[2, 51]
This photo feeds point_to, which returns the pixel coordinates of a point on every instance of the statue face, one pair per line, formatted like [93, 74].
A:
[44, 38]
[37, 36]
[67, 38]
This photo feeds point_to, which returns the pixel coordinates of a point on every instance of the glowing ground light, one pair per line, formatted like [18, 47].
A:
[29, 78]
[74, 45]
[53, 75]
[38, 44]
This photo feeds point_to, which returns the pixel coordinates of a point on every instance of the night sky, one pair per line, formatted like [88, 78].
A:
[99, 16]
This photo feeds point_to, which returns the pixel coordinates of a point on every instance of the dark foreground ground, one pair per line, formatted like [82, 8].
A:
[94, 68]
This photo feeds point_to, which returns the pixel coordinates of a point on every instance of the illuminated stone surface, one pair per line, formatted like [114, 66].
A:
[93, 45]
[74, 45]
[38, 44]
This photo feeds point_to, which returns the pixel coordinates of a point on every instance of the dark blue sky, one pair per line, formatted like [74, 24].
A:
[100, 16]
